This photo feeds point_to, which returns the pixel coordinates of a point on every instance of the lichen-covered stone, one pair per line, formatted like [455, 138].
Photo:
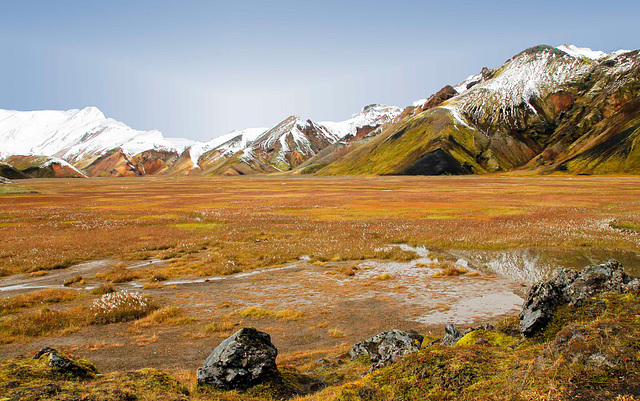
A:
[65, 365]
[387, 347]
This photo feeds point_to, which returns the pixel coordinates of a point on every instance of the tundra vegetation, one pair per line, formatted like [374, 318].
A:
[121, 245]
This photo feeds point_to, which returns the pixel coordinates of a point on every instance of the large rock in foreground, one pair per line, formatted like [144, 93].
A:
[386, 348]
[245, 359]
[570, 287]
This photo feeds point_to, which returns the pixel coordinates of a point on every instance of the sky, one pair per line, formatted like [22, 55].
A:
[200, 69]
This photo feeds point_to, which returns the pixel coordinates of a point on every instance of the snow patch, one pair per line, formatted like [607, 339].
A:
[576, 51]
[471, 80]
[372, 116]
[456, 114]
[63, 163]
[227, 144]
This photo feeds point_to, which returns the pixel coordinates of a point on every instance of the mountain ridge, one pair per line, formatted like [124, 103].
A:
[545, 109]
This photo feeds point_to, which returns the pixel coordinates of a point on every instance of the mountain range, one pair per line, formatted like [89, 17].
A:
[544, 110]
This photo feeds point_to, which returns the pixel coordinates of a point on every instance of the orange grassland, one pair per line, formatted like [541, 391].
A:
[221, 225]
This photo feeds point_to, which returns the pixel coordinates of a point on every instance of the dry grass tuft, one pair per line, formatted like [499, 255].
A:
[42, 297]
[219, 326]
[120, 274]
[384, 277]
[43, 322]
[169, 315]
[336, 333]
[74, 280]
[349, 270]
[103, 289]
[285, 314]
[449, 270]
[151, 285]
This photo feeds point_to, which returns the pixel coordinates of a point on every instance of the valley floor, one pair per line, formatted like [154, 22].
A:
[319, 263]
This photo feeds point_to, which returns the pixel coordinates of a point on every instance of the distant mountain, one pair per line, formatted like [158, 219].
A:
[293, 141]
[91, 144]
[546, 109]
[40, 167]
[74, 135]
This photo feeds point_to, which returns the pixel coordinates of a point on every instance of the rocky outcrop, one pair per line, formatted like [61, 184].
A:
[245, 359]
[388, 347]
[66, 366]
[437, 98]
[569, 287]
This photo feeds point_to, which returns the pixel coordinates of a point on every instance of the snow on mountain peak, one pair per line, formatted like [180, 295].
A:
[372, 115]
[72, 134]
[533, 73]
[228, 144]
[596, 55]
[576, 51]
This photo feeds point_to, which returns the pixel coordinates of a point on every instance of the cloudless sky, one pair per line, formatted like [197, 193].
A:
[199, 69]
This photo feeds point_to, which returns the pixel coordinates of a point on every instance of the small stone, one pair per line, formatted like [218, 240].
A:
[452, 335]
[64, 365]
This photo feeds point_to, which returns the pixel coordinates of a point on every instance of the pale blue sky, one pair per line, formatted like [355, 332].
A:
[199, 69]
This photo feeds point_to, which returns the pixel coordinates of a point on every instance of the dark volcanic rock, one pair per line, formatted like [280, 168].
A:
[569, 287]
[245, 359]
[386, 348]
[452, 335]
[539, 306]
[593, 279]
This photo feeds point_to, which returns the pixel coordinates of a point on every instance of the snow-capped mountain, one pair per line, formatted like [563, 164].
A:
[224, 145]
[284, 146]
[101, 146]
[547, 108]
[360, 124]
[72, 135]
[294, 140]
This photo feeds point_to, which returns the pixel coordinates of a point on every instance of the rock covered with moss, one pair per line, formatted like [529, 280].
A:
[388, 347]
[64, 365]
[245, 359]
[570, 287]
